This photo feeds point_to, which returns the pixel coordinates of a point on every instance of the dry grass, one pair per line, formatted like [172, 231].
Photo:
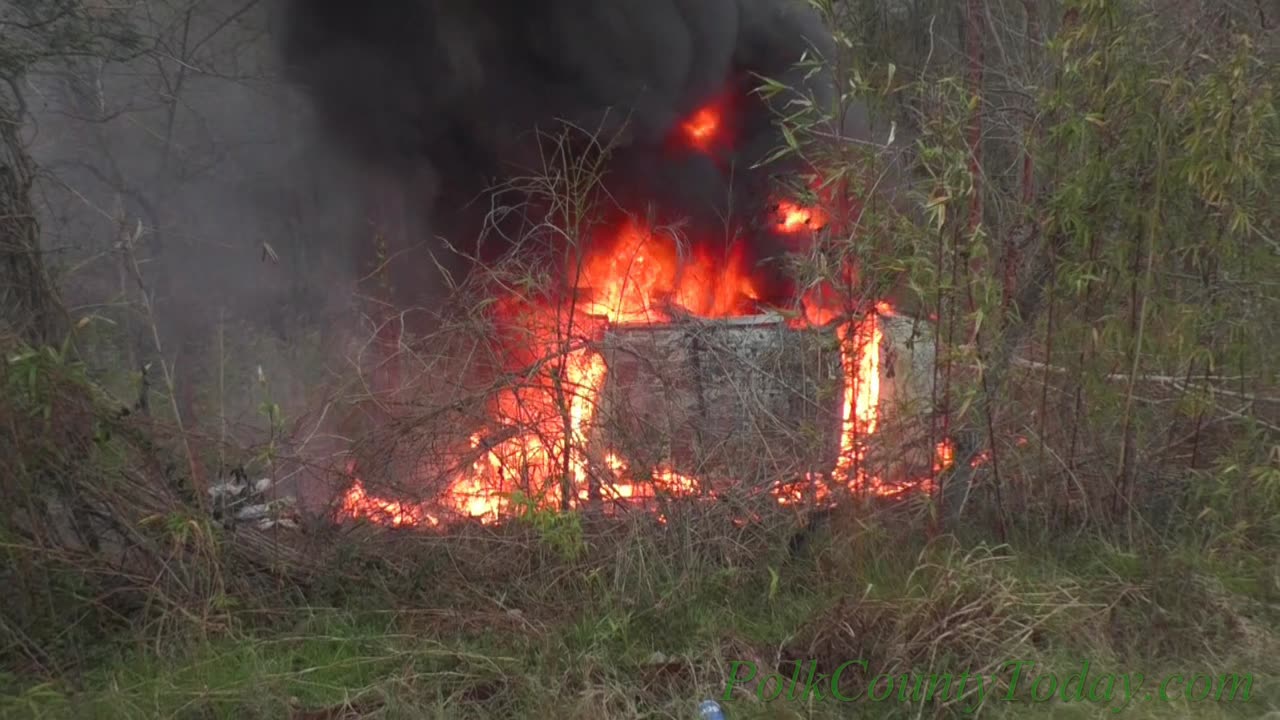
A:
[647, 620]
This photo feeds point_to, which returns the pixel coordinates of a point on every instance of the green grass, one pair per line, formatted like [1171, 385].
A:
[609, 635]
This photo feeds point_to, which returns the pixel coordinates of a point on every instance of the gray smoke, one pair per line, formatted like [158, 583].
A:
[443, 95]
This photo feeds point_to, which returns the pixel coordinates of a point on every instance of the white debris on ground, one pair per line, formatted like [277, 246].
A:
[237, 501]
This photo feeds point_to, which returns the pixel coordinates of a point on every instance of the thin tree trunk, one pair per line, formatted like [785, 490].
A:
[975, 30]
[29, 302]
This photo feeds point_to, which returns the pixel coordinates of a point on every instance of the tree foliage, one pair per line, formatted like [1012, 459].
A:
[1094, 232]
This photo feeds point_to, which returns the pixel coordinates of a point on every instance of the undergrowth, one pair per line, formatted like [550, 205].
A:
[645, 624]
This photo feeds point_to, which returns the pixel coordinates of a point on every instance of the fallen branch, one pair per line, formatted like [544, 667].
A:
[1177, 382]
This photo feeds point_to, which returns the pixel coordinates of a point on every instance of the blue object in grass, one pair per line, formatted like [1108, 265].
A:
[710, 710]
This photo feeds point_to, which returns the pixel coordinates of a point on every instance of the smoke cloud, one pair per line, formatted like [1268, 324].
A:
[442, 97]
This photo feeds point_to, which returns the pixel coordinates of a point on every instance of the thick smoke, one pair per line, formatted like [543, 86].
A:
[443, 96]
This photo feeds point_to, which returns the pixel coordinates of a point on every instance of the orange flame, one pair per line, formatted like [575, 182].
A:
[794, 218]
[357, 503]
[944, 456]
[638, 275]
[702, 127]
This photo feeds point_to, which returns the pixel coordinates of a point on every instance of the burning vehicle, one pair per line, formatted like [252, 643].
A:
[673, 356]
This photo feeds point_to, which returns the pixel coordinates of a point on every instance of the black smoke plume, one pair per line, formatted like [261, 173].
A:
[440, 98]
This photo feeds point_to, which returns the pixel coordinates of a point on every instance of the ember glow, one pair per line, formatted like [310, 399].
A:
[703, 128]
[944, 456]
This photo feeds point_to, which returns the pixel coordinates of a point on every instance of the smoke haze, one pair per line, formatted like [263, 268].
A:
[261, 152]
[443, 96]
